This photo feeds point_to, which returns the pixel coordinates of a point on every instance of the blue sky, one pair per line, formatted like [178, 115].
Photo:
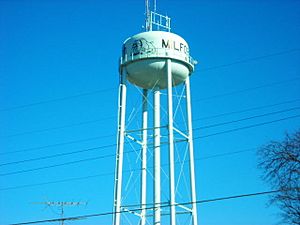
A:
[59, 81]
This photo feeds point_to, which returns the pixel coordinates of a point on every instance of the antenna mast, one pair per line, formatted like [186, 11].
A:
[61, 205]
[155, 20]
[148, 15]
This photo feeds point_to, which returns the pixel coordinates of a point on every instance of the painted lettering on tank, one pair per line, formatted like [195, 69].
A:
[171, 44]
[164, 44]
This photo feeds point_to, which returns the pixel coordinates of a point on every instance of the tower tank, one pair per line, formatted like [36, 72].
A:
[144, 57]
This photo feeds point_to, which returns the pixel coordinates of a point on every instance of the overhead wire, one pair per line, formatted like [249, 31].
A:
[57, 155]
[248, 89]
[198, 128]
[250, 59]
[247, 127]
[57, 144]
[56, 165]
[57, 128]
[55, 99]
[55, 182]
[195, 138]
[99, 120]
[247, 195]
[98, 137]
[289, 51]
[246, 118]
[113, 145]
[246, 110]
[112, 173]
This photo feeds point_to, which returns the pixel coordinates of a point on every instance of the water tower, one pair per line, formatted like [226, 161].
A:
[156, 61]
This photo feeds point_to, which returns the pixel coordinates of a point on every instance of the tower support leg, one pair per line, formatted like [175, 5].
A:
[144, 157]
[191, 152]
[171, 145]
[120, 150]
[156, 149]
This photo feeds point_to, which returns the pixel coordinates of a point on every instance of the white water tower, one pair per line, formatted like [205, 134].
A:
[156, 61]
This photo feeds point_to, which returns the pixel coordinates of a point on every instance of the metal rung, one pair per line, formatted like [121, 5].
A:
[150, 128]
[132, 212]
[184, 207]
[167, 214]
[133, 139]
[181, 133]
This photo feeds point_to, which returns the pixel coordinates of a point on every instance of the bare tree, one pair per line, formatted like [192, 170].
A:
[280, 163]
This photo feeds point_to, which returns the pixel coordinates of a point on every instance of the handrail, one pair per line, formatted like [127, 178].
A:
[157, 52]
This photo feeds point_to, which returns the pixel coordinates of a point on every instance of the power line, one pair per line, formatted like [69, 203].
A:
[247, 89]
[246, 118]
[95, 158]
[167, 204]
[57, 181]
[57, 144]
[57, 128]
[250, 59]
[103, 90]
[55, 100]
[64, 154]
[112, 173]
[101, 147]
[247, 127]
[152, 207]
[246, 110]
[113, 145]
[99, 137]
[99, 120]
[56, 165]
[56, 155]
[225, 154]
